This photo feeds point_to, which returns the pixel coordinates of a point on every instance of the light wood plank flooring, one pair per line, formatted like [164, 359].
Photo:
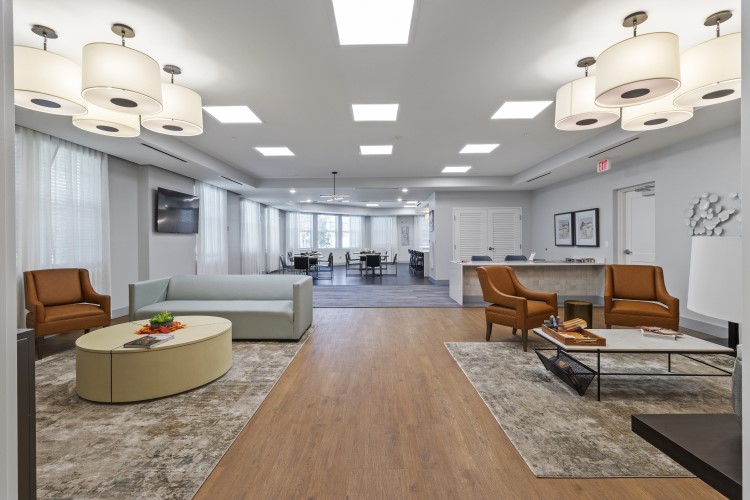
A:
[374, 406]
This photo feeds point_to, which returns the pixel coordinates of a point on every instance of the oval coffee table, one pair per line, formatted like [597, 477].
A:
[107, 372]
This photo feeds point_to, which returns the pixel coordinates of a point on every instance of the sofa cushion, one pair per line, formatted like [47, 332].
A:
[231, 287]
[638, 308]
[58, 286]
[221, 308]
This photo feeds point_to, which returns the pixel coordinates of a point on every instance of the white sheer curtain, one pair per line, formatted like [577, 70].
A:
[251, 238]
[62, 208]
[383, 234]
[273, 239]
[351, 231]
[213, 248]
[292, 232]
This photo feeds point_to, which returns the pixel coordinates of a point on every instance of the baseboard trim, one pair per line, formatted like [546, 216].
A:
[437, 282]
[118, 313]
[704, 327]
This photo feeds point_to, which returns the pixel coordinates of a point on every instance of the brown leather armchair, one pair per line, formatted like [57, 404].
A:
[636, 295]
[63, 300]
[513, 304]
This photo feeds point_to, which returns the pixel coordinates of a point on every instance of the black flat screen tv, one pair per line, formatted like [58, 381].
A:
[176, 212]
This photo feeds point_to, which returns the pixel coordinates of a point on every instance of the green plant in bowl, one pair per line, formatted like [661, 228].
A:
[162, 319]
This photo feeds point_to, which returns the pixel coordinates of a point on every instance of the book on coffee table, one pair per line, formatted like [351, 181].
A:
[149, 341]
[659, 333]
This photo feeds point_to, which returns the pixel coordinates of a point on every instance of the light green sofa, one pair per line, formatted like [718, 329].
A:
[261, 307]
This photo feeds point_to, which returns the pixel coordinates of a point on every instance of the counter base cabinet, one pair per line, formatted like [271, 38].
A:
[26, 414]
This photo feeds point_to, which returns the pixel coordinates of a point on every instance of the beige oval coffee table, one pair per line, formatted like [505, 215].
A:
[110, 373]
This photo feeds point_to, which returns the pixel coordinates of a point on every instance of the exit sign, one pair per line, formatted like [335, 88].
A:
[603, 166]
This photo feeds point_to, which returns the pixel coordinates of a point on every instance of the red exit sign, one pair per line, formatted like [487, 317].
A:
[603, 166]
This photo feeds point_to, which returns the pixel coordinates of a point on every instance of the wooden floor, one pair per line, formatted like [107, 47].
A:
[374, 406]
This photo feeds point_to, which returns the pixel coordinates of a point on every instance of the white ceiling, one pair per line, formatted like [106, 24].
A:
[283, 60]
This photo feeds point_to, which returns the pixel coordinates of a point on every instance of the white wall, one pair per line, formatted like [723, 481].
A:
[444, 204]
[745, 188]
[123, 218]
[709, 163]
[233, 236]
[8, 390]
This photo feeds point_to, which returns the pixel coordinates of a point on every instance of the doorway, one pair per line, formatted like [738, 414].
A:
[637, 225]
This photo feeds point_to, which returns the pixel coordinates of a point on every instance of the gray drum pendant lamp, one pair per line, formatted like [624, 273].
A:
[639, 69]
[45, 81]
[711, 71]
[182, 114]
[119, 78]
[575, 108]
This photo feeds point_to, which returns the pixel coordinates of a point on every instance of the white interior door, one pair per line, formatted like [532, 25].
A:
[486, 231]
[504, 232]
[639, 214]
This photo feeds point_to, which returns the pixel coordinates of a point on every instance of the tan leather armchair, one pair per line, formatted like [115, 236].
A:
[63, 300]
[513, 304]
[636, 295]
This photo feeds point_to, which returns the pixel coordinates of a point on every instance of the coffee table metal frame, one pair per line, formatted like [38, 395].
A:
[659, 346]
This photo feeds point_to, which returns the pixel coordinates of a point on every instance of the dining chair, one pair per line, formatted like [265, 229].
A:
[326, 268]
[284, 267]
[371, 262]
[301, 264]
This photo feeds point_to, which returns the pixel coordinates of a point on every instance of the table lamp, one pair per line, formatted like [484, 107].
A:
[715, 287]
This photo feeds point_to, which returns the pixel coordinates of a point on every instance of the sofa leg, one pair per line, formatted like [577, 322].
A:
[489, 331]
[525, 339]
[513, 332]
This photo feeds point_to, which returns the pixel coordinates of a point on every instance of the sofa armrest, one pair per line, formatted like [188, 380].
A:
[302, 304]
[145, 293]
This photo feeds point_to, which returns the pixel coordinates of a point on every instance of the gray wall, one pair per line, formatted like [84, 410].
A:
[233, 236]
[709, 163]
[124, 242]
[745, 188]
[446, 202]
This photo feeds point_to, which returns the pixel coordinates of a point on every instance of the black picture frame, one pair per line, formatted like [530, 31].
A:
[563, 227]
[586, 227]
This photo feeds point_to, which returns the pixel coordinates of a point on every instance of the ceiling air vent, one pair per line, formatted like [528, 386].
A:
[163, 152]
[231, 180]
[538, 177]
[615, 146]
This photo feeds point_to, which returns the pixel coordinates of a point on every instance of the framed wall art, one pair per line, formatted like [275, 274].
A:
[586, 228]
[564, 236]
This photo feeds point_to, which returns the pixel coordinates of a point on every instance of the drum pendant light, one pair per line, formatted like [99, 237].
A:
[711, 71]
[119, 78]
[182, 113]
[639, 69]
[574, 104]
[45, 81]
[107, 122]
[661, 113]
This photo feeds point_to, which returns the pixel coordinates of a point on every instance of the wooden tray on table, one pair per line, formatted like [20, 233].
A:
[580, 337]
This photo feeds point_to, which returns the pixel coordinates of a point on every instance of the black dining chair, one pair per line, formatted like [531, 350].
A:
[283, 266]
[481, 258]
[301, 264]
[371, 262]
[518, 258]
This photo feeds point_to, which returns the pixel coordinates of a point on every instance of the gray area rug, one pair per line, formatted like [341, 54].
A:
[159, 449]
[561, 434]
[383, 296]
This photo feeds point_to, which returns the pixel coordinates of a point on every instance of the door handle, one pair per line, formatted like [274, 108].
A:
[627, 252]
[491, 248]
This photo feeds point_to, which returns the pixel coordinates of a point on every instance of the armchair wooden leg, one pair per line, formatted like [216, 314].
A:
[608, 326]
[525, 339]
[513, 332]
[489, 331]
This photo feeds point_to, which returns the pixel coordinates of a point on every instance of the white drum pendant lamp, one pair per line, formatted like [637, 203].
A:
[182, 113]
[712, 71]
[661, 113]
[119, 78]
[638, 70]
[44, 81]
[574, 104]
[107, 122]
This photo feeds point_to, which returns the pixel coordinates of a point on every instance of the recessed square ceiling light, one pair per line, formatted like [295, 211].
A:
[376, 150]
[455, 170]
[372, 205]
[373, 22]
[410, 202]
[275, 151]
[478, 148]
[520, 109]
[375, 112]
[232, 114]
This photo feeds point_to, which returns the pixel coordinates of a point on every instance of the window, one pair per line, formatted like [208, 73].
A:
[351, 231]
[305, 229]
[327, 229]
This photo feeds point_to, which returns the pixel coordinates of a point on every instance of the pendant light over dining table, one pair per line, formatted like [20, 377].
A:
[45, 81]
[639, 69]
[182, 114]
[575, 108]
[119, 78]
[711, 71]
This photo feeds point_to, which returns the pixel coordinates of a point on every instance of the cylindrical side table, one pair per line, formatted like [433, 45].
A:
[581, 309]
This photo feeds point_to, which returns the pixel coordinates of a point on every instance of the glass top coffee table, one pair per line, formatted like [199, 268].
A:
[578, 375]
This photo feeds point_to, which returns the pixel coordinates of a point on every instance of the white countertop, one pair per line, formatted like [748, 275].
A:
[522, 263]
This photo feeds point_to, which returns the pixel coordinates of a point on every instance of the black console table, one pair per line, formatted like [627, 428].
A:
[26, 414]
[708, 445]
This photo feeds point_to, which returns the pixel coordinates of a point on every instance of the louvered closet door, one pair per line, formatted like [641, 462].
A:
[504, 232]
[469, 233]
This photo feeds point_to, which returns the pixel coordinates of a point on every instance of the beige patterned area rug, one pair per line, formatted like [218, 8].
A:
[160, 449]
[561, 434]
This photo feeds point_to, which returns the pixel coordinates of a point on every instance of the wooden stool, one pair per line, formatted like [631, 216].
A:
[581, 309]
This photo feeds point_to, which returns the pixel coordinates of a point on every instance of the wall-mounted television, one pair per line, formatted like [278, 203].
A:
[176, 212]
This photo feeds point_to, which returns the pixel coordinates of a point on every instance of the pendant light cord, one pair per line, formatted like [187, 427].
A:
[718, 29]
[45, 40]
[635, 27]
